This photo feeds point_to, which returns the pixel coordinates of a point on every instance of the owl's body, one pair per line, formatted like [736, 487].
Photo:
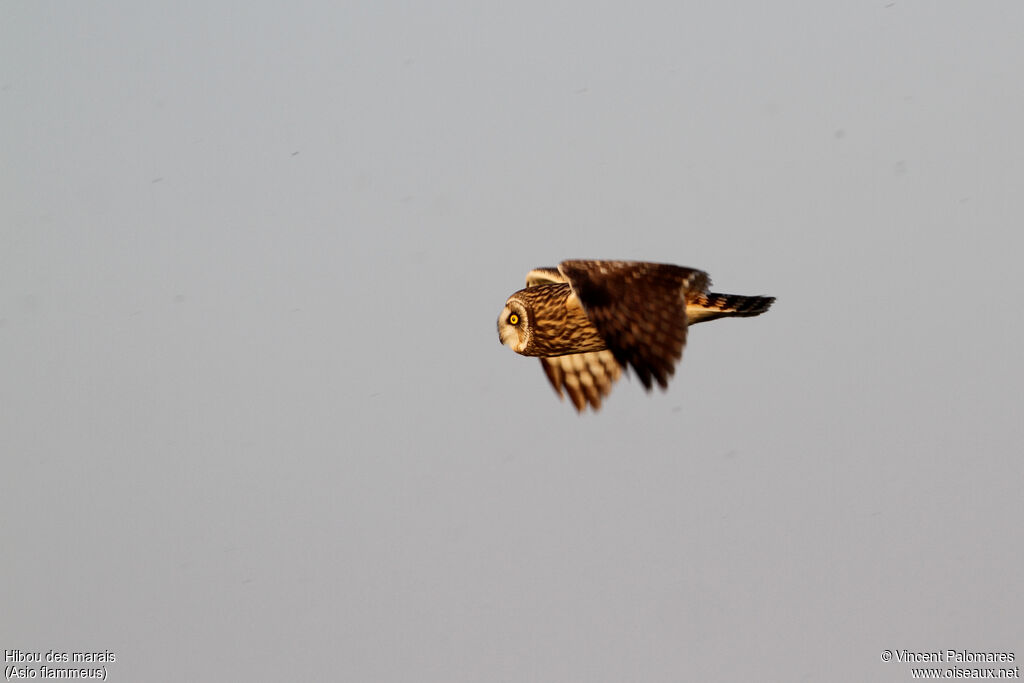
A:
[558, 324]
[587, 320]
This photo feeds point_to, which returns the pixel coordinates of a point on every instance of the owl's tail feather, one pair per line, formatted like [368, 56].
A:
[711, 306]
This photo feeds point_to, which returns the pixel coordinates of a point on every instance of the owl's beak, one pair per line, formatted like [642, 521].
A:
[506, 334]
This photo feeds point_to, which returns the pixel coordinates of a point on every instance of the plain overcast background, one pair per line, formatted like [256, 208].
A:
[256, 423]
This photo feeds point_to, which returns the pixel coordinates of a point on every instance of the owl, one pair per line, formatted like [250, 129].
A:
[589, 320]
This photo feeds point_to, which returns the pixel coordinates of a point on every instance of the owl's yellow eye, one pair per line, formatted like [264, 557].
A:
[513, 319]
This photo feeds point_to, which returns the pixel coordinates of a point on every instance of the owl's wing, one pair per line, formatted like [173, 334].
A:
[639, 309]
[544, 276]
[586, 377]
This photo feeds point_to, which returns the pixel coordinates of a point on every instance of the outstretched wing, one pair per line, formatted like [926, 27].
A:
[544, 276]
[586, 377]
[639, 309]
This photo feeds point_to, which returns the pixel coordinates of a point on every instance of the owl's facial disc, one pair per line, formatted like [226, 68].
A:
[512, 327]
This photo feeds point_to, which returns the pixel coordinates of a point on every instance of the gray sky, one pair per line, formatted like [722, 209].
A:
[256, 423]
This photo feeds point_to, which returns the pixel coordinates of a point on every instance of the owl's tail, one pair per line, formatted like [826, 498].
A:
[710, 306]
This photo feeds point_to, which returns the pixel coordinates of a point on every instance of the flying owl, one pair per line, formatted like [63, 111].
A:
[588, 320]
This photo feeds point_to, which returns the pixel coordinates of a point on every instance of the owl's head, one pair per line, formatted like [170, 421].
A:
[514, 324]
